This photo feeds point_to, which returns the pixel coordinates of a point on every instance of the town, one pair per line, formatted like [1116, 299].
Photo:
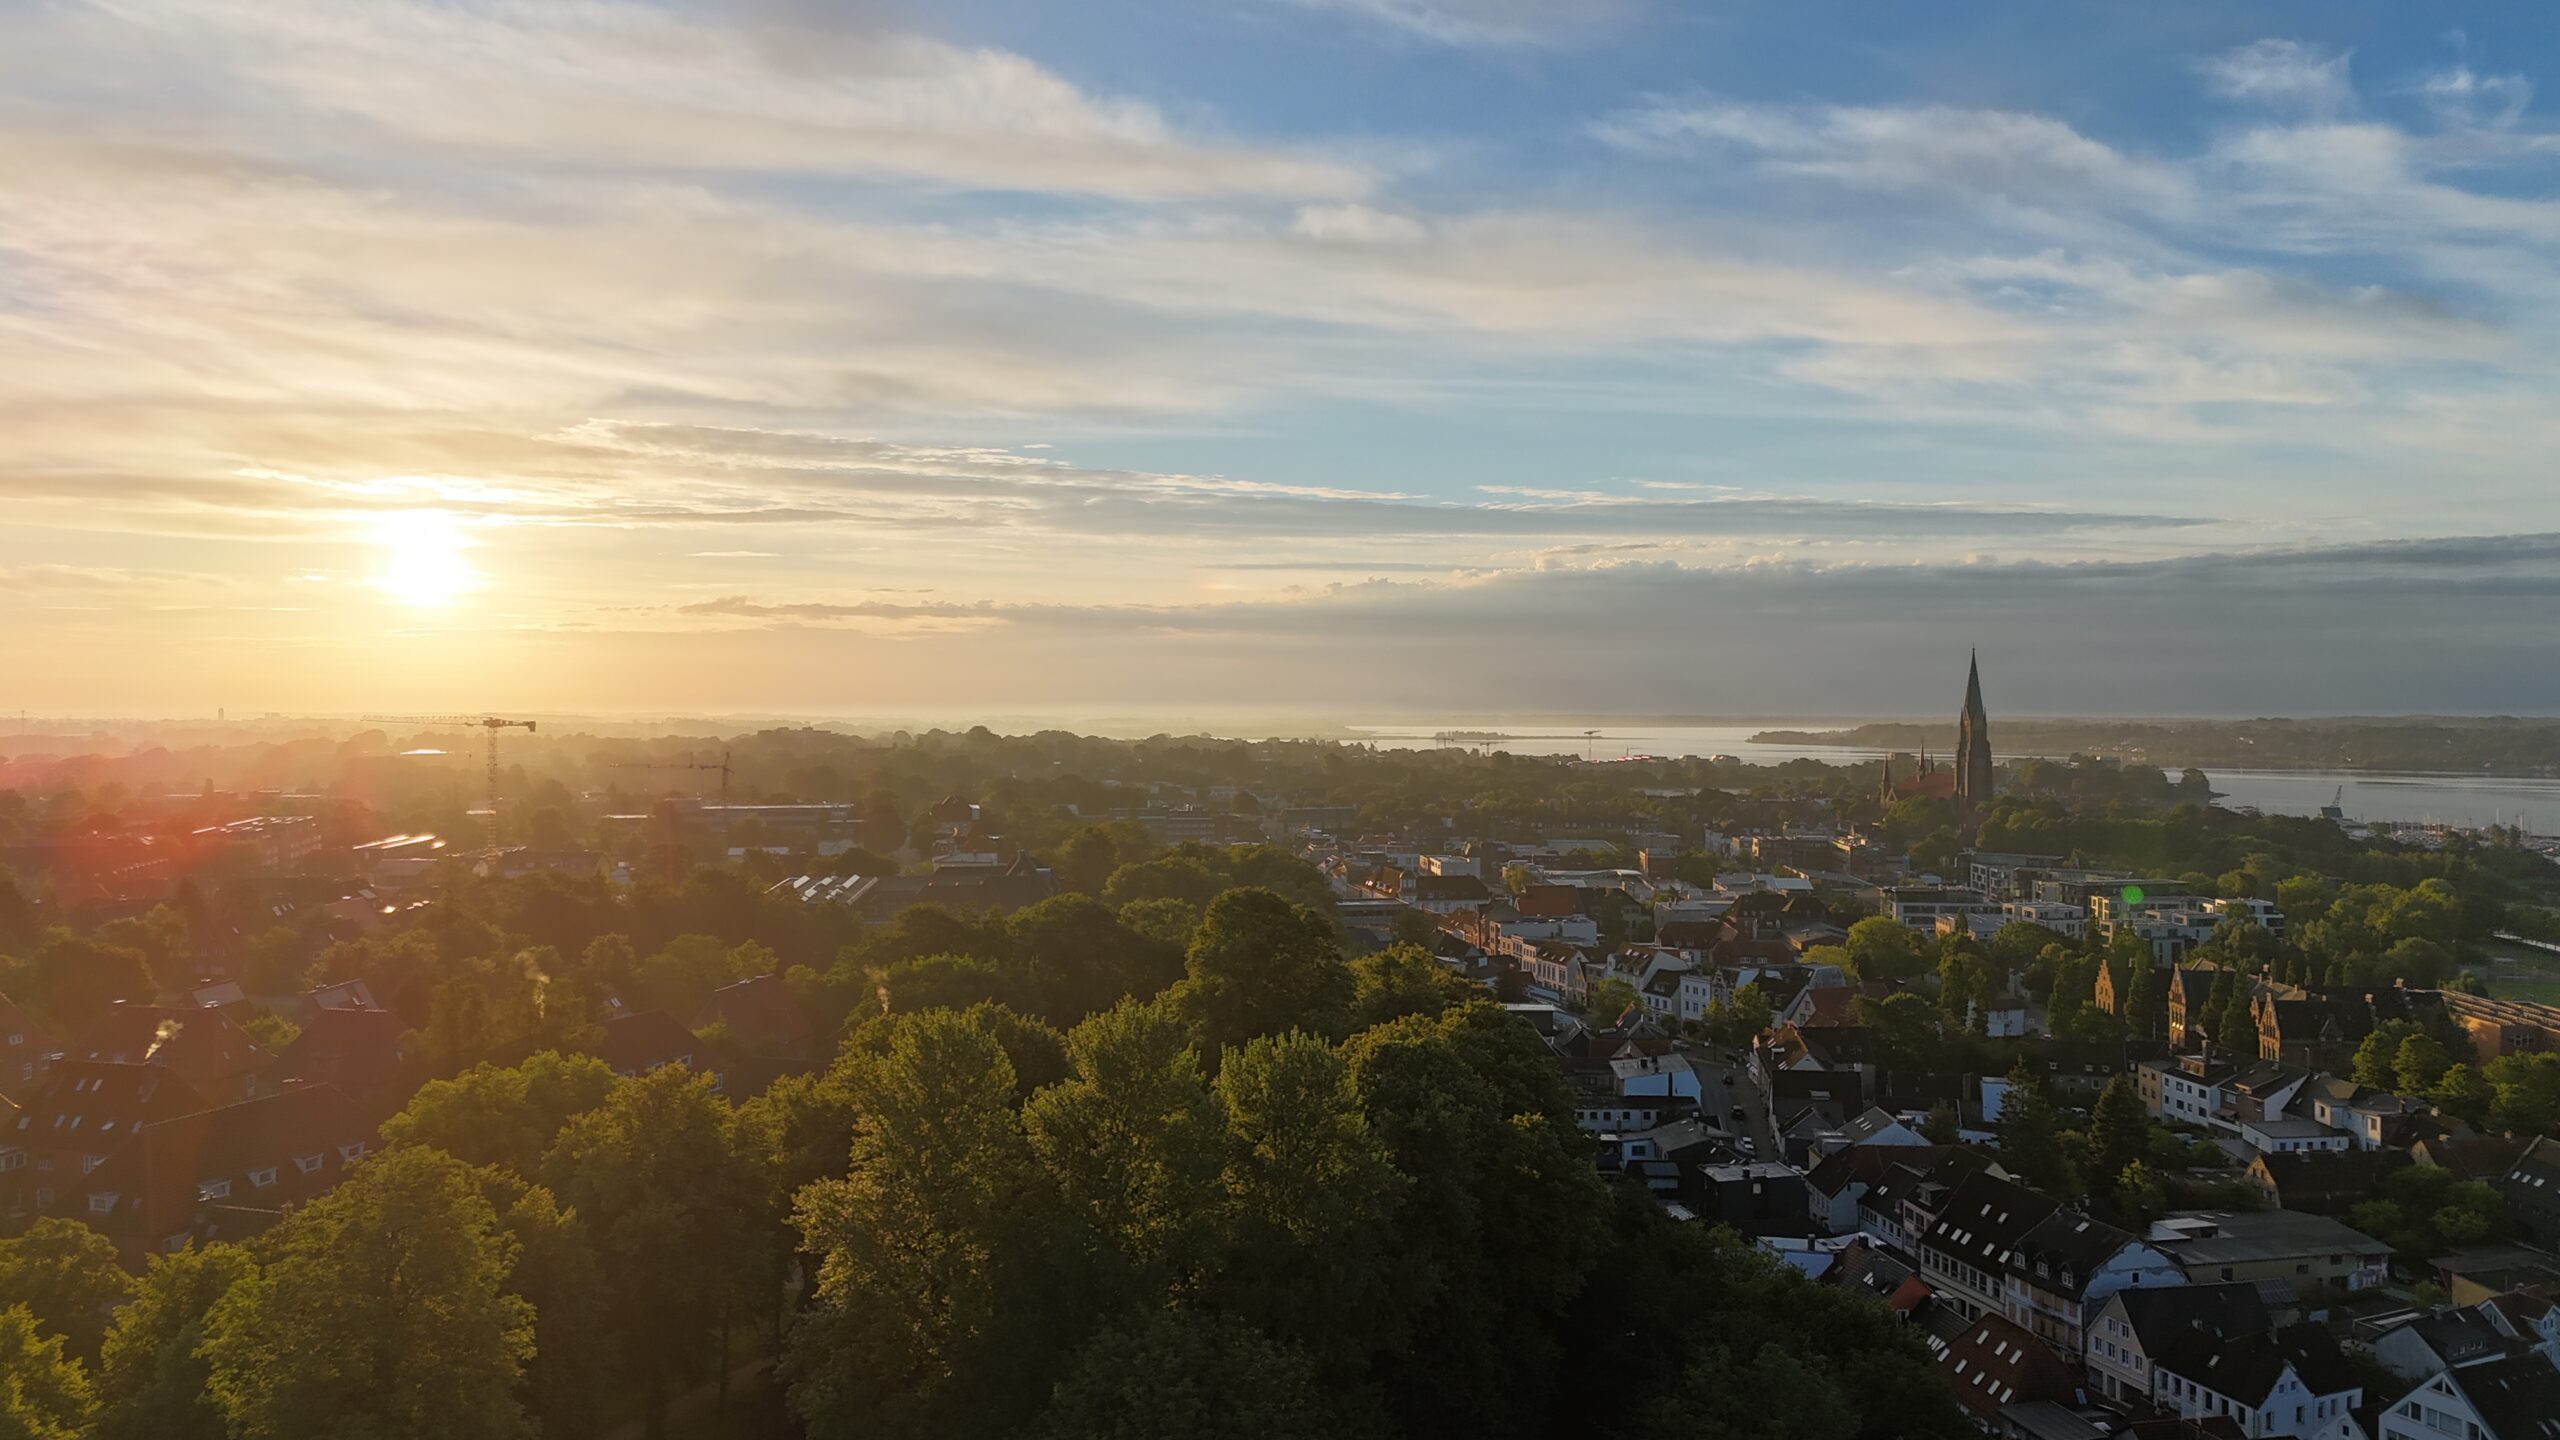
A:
[2121, 1114]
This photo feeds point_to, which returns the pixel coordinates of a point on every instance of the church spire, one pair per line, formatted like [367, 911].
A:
[1973, 739]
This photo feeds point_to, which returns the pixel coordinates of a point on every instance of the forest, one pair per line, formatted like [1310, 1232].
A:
[1062, 1176]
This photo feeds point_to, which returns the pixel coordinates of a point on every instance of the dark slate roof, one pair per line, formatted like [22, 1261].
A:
[2246, 1367]
[637, 1044]
[2067, 1247]
[2159, 1313]
[2473, 1157]
[2533, 1182]
[2519, 1396]
[1986, 1219]
[1995, 1363]
[2328, 1180]
[96, 1105]
[761, 1011]
[202, 1043]
[2457, 1337]
[1449, 887]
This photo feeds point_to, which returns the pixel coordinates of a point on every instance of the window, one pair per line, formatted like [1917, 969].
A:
[352, 1151]
[262, 1179]
[103, 1203]
[309, 1164]
[213, 1189]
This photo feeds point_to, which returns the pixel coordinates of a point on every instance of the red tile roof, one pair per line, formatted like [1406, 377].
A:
[261, 1154]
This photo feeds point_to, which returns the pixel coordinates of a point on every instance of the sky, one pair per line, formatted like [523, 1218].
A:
[1347, 356]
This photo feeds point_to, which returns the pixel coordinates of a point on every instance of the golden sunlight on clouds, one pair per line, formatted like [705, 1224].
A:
[421, 560]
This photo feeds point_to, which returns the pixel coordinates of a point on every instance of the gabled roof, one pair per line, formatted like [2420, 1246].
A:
[2321, 1180]
[2518, 1398]
[343, 995]
[1449, 887]
[1548, 902]
[637, 1044]
[761, 1011]
[2533, 1182]
[203, 1044]
[2159, 1313]
[2471, 1157]
[2247, 1367]
[1868, 1124]
[2066, 1249]
[262, 1153]
[357, 1051]
[2455, 1337]
[1867, 1164]
[1986, 1219]
[99, 1105]
[1908, 1179]
[1995, 1363]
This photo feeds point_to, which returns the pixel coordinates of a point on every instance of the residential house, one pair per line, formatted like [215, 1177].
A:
[1760, 1198]
[1994, 1366]
[227, 1173]
[1672, 1076]
[2532, 1189]
[83, 1113]
[1834, 1187]
[342, 995]
[1611, 1114]
[2069, 921]
[1448, 894]
[2470, 1157]
[1903, 1204]
[2424, 1344]
[2320, 1029]
[2374, 1119]
[1966, 1253]
[2067, 1265]
[2517, 1398]
[358, 1053]
[2133, 1325]
[1876, 1126]
[2285, 1382]
[2323, 1183]
[28, 1048]
[762, 1016]
[1814, 1101]
[2190, 986]
[2293, 1135]
[205, 1047]
[638, 1043]
[2532, 1321]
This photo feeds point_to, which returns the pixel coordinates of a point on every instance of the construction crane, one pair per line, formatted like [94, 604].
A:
[686, 764]
[488, 725]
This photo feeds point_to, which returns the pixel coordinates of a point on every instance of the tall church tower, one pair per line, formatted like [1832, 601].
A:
[1973, 741]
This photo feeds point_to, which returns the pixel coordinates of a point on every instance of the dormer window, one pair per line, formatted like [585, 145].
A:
[213, 1190]
[263, 1179]
[103, 1203]
[309, 1164]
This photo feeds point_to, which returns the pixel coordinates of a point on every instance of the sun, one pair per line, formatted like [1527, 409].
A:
[422, 560]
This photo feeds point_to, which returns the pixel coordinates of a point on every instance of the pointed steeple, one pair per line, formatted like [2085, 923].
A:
[1973, 739]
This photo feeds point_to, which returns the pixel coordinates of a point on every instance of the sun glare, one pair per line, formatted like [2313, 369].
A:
[422, 561]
